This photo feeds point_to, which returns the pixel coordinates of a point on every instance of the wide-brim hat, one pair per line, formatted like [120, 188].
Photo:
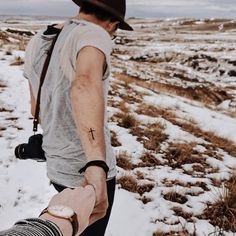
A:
[116, 8]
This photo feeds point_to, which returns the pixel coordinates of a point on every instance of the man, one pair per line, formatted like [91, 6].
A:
[73, 103]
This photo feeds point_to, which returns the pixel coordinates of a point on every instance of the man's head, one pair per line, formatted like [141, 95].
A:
[106, 10]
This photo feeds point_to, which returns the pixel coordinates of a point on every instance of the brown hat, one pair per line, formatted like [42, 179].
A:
[117, 8]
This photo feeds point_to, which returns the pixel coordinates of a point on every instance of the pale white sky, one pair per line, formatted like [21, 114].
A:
[137, 8]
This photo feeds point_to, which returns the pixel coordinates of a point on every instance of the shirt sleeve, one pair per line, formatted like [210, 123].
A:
[29, 58]
[93, 36]
[34, 226]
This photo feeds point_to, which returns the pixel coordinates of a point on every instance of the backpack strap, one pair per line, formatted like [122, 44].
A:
[50, 30]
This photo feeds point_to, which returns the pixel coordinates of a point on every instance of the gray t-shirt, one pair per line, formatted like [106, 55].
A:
[61, 142]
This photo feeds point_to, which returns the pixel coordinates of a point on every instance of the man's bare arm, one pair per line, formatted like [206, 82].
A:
[88, 109]
[88, 102]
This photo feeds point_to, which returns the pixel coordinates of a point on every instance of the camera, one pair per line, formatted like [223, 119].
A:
[31, 150]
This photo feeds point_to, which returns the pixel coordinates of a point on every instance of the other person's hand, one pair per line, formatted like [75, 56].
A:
[97, 178]
[81, 200]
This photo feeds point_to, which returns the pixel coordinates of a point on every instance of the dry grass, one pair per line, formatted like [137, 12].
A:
[180, 154]
[148, 110]
[130, 184]
[175, 197]
[18, 62]
[114, 90]
[145, 188]
[148, 160]
[126, 120]
[13, 118]
[181, 213]
[222, 212]
[151, 136]
[2, 128]
[172, 233]
[2, 109]
[198, 168]
[223, 143]
[139, 175]
[146, 200]
[114, 140]
[171, 183]
[144, 109]
[123, 107]
[9, 52]
[124, 161]
[207, 95]
[2, 84]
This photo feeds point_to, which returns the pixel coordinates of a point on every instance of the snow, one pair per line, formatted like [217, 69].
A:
[207, 119]
[25, 188]
[131, 220]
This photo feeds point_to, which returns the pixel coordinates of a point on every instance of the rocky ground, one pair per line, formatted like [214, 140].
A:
[172, 107]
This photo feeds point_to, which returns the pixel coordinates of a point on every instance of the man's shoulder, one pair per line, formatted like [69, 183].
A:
[90, 30]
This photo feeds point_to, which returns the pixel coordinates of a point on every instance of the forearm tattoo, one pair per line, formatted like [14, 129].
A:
[91, 131]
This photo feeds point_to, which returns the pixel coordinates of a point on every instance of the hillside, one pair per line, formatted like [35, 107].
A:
[172, 110]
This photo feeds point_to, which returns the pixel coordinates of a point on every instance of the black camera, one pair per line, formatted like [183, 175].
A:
[31, 150]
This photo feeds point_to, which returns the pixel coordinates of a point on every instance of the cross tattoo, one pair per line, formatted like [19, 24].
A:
[91, 131]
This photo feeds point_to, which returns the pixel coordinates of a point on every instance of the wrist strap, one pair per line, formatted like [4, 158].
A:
[73, 220]
[98, 163]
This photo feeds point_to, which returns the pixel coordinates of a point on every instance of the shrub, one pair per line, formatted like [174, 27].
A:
[114, 140]
[222, 212]
[123, 161]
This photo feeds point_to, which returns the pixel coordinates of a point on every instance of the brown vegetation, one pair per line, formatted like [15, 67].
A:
[144, 109]
[175, 197]
[114, 139]
[130, 184]
[126, 120]
[172, 233]
[181, 213]
[222, 212]
[151, 136]
[211, 137]
[148, 110]
[179, 154]
[145, 199]
[148, 160]
[124, 161]
[171, 183]
[18, 62]
[218, 142]
[207, 95]
[2, 109]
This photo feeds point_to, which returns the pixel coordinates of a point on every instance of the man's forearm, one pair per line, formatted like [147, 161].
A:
[88, 110]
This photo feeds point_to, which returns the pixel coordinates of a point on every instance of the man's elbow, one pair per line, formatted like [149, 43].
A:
[82, 82]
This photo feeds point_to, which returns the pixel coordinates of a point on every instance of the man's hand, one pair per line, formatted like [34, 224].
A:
[97, 178]
[81, 200]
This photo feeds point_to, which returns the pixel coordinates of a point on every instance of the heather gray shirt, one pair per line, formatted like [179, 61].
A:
[61, 142]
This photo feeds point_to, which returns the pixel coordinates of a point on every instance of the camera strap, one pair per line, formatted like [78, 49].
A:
[50, 30]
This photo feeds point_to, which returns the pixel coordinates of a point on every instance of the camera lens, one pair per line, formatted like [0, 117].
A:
[20, 151]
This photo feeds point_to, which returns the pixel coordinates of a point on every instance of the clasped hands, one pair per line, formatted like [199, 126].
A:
[89, 201]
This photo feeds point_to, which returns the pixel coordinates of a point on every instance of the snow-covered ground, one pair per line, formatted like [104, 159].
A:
[173, 157]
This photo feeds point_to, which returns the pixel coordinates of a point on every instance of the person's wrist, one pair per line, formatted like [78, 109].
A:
[99, 164]
[95, 170]
[64, 225]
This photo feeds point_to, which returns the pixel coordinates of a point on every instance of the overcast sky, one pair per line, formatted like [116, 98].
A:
[136, 8]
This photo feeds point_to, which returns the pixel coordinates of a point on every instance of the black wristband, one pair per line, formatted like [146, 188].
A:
[98, 163]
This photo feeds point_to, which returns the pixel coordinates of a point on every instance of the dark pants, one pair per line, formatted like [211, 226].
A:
[99, 227]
